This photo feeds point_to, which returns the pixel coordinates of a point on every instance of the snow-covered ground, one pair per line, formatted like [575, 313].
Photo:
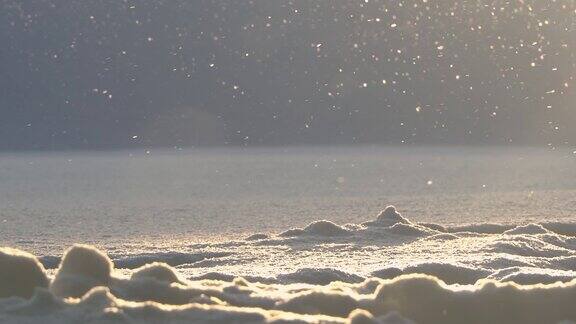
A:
[484, 235]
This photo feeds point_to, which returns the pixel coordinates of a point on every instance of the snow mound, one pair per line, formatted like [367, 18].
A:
[388, 217]
[83, 267]
[425, 299]
[389, 214]
[20, 273]
[325, 228]
[318, 228]
[157, 271]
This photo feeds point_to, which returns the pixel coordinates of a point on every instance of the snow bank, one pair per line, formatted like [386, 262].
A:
[388, 217]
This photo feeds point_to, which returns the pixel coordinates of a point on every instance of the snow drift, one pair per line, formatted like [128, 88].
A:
[156, 293]
[389, 270]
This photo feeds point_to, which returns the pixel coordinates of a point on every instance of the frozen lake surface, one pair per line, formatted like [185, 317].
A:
[49, 200]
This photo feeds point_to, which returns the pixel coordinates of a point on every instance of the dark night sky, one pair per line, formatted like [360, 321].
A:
[108, 74]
